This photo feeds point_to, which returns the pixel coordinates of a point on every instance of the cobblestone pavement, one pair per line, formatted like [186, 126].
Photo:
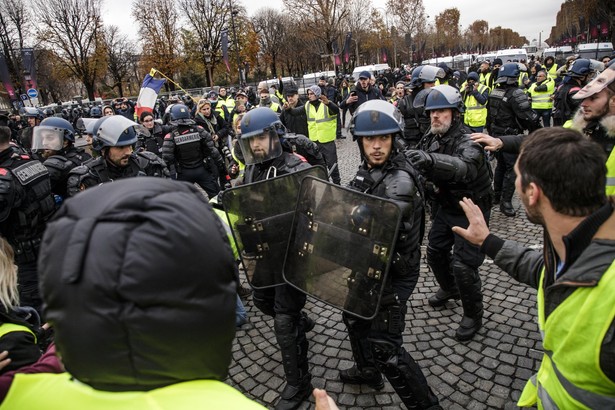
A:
[488, 372]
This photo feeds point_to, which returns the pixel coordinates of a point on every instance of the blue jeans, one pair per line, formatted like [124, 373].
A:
[241, 316]
[545, 114]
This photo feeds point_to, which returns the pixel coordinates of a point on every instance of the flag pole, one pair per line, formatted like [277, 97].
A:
[154, 71]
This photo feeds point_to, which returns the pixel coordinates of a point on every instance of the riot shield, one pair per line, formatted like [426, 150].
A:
[260, 216]
[341, 245]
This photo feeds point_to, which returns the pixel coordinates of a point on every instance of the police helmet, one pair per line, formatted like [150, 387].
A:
[256, 125]
[376, 117]
[443, 96]
[179, 114]
[583, 66]
[48, 112]
[95, 112]
[428, 74]
[114, 131]
[61, 124]
[508, 73]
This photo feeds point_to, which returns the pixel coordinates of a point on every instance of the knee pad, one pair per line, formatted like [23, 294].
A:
[285, 327]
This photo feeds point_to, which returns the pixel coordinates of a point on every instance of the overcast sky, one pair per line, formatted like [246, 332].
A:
[527, 17]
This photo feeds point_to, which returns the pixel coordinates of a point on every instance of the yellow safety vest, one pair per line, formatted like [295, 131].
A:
[610, 174]
[522, 78]
[59, 392]
[484, 79]
[476, 114]
[275, 107]
[220, 110]
[552, 73]
[570, 376]
[12, 327]
[541, 100]
[229, 102]
[322, 126]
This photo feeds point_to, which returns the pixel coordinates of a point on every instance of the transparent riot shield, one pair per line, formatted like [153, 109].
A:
[341, 245]
[261, 215]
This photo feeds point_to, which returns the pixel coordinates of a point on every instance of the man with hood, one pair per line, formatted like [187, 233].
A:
[139, 322]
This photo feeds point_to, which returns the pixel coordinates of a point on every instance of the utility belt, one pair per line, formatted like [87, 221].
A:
[499, 131]
[26, 251]
[450, 200]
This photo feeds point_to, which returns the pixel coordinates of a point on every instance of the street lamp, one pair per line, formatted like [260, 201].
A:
[233, 14]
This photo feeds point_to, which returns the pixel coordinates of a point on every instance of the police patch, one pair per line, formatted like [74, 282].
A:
[374, 116]
[29, 172]
[185, 139]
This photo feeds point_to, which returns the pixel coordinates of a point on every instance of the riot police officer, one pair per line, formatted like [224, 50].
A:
[190, 153]
[33, 118]
[455, 167]
[264, 157]
[60, 157]
[509, 113]
[416, 122]
[114, 137]
[377, 344]
[564, 103]
[26, 204]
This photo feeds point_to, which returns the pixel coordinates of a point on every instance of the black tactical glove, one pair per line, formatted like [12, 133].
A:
[419, 159]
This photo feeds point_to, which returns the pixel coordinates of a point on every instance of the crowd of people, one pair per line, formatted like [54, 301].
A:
[107, 244]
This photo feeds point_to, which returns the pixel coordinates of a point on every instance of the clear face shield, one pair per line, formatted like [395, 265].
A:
[47, 138]
[262, 147]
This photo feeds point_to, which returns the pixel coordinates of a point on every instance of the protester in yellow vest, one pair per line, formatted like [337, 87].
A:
[143, 317]
[475, 96]
[265, 101]
[560, 180]
[551, 67]
[541, 93]
[596, 118]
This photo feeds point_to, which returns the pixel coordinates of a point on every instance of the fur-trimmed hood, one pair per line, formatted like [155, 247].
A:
[607, 123]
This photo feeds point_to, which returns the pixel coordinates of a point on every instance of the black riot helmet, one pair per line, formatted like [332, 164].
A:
[179, 114]
[261, 130]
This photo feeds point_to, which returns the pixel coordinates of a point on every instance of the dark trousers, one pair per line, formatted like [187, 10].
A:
[29, 294]
[545, 114]
[504, 176]
[201, 176]
[329, 152]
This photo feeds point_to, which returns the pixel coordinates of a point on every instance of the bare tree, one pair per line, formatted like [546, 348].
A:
[120, 53]
[269, 24]
[160, 36]
[14, 18]
[72, 29]
[408, 16]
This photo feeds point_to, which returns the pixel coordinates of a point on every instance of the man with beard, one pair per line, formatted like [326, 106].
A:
[377, 345]
[114, 137]
[54, 140]
[560, 180]
[455, 167]
[264, 158]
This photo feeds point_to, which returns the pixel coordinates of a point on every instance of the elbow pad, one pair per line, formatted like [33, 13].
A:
[448, 168]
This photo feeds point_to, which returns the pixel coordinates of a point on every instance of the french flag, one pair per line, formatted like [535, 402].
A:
[149, 92]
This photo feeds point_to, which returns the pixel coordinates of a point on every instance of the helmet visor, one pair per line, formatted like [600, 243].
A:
[47, 138]
[261, 147]
[115, 131]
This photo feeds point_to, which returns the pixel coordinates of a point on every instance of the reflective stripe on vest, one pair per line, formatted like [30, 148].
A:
[58, 391]
[6, 328]
[541, 100]
[610, 174]
[322, 126]
[476, 114]
[570, 376]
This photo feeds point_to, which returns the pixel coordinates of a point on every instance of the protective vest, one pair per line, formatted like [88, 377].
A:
[240, 164]
[188, 147]
[552, 72]
[6, 328]
[503, 117]
[610, 174]
[475, 114]
[322, 125]
[541, 100]
[484, 79]
[229, 102]
[220, 109]
[275, 107]
[572, 335]
[23, 227]
[58, 391]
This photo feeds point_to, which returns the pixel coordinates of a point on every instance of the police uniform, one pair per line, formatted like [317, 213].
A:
[98, 171]
[26, 204]
[60, 165]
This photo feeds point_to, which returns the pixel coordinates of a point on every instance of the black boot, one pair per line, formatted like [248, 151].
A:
[293, 346]
[469, 284]
[440, 266]
[368, 375]
[507, 209]
[364, 371]
[405, 376]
